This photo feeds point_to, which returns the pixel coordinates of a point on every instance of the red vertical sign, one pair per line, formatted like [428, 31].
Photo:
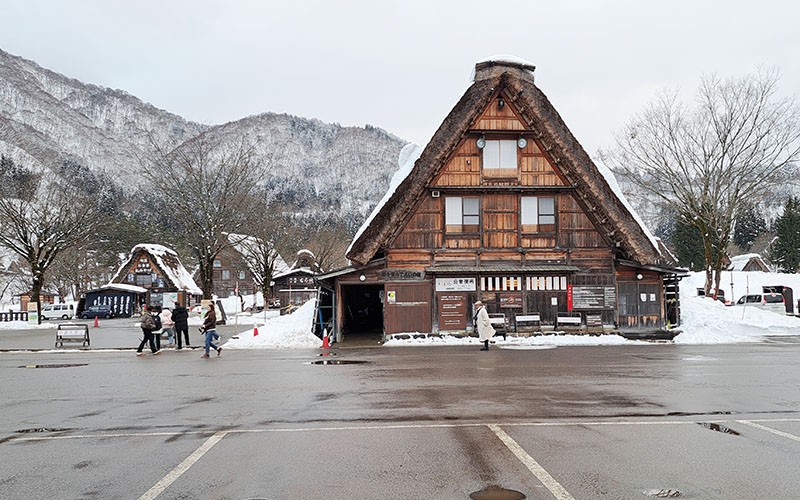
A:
[569, 297]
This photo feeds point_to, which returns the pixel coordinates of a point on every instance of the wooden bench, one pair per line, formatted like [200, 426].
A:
[72, 332]
[498, 321]
[572, 321]
[528, 322]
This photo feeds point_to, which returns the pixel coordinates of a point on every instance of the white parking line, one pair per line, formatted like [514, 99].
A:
[393, 426]
[182, 467]
[770, 430]
[541, 474]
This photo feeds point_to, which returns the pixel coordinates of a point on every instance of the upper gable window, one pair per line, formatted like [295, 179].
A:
[500, 155]
[538, 214]
[462, 215]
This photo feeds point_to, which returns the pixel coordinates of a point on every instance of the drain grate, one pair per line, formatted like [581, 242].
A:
[62, 365]
[43, 429]
[663, 493]
[494, 492]
[718, 427]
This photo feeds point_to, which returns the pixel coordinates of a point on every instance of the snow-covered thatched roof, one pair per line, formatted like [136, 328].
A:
[592, 185]
[167, 262]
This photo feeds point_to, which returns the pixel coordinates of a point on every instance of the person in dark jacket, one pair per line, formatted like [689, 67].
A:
[180, 316]
[148, 324]
[210, 328]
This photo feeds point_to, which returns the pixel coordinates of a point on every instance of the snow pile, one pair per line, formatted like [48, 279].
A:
[708, 321]
[24, 325]
[507, 58]
[292, 331]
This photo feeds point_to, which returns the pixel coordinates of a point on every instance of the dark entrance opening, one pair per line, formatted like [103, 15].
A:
[363, 312]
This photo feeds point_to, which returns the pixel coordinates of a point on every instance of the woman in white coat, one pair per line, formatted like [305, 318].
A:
[482, 323]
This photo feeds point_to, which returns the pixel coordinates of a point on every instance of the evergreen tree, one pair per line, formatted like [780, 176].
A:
[750, 224]
[785, 250]
[688, 244]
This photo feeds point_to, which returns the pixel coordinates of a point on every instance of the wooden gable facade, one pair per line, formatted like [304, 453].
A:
[504, 206]
[158, 270]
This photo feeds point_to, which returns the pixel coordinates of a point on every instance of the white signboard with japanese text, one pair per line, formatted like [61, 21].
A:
[455, 284]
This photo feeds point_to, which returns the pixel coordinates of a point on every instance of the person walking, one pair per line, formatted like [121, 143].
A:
[210, 329]
[148, 324]
[180, 317]
[168, 326]
[482, 323]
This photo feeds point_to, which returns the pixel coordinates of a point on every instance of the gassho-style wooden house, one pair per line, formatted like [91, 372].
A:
[505, 206]
[158, 270]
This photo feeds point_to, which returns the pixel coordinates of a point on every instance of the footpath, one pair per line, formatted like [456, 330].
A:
[116, 334]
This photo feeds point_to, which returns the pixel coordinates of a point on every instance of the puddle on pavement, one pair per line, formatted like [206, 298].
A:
[718, 428]
[337, 362]
[663, 493]
[493, 492]
[62, 365]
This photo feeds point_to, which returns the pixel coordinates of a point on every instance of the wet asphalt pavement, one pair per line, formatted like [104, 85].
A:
[403, 423]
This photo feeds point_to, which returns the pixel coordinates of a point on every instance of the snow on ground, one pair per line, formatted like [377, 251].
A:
[708, 321]
[24, 325]
[291, 331]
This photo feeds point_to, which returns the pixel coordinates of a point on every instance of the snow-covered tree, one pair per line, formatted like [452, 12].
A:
[750, 224]
[785, 249]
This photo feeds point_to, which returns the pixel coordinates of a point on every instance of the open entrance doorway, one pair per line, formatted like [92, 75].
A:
[363, 314]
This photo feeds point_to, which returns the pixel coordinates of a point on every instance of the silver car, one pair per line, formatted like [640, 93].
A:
[768, 301]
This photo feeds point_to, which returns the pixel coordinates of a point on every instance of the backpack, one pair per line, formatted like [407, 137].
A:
[157, 321]
[149, 323]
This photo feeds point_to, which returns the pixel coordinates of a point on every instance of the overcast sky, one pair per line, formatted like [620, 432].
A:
[399, 65]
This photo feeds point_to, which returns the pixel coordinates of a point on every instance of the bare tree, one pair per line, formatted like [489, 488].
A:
[42, 217]
[206, 184]
[329, 245]
[705, 163]
[259, 247]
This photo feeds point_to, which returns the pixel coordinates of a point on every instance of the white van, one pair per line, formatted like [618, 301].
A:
[55, 311]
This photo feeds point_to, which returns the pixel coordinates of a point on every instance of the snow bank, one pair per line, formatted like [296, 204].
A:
[292, 331]
[708, 321]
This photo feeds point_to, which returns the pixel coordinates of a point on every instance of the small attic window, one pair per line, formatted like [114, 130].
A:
[500, 158]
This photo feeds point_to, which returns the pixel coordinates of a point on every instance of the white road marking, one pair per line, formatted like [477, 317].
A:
[770, 430]
[541, 474]
[182, 467]
[394, 426]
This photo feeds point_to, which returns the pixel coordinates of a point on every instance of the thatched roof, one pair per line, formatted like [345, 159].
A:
[515, 82]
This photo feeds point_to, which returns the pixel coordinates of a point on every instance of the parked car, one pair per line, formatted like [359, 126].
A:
[98, 311]
[63, 311]
[768, 301]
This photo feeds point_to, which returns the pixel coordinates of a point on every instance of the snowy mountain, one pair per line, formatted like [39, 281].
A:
[315, 167]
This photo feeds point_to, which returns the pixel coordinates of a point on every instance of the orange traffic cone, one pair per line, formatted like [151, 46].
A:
[96, 321]
[255, 331]
[325, 344]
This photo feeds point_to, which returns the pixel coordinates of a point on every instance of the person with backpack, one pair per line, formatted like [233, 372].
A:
[148, 324]
[156, 313]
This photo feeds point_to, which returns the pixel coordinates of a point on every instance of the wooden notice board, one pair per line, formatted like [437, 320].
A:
[452, 311]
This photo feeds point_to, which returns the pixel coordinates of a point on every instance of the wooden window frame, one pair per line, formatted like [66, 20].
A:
[463, 227]
[539, 227]
[500, 171]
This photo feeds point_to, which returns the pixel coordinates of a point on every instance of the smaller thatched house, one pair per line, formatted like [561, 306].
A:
[159, 271]
[748, 262]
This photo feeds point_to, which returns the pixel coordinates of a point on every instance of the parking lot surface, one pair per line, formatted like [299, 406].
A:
[404, 423]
